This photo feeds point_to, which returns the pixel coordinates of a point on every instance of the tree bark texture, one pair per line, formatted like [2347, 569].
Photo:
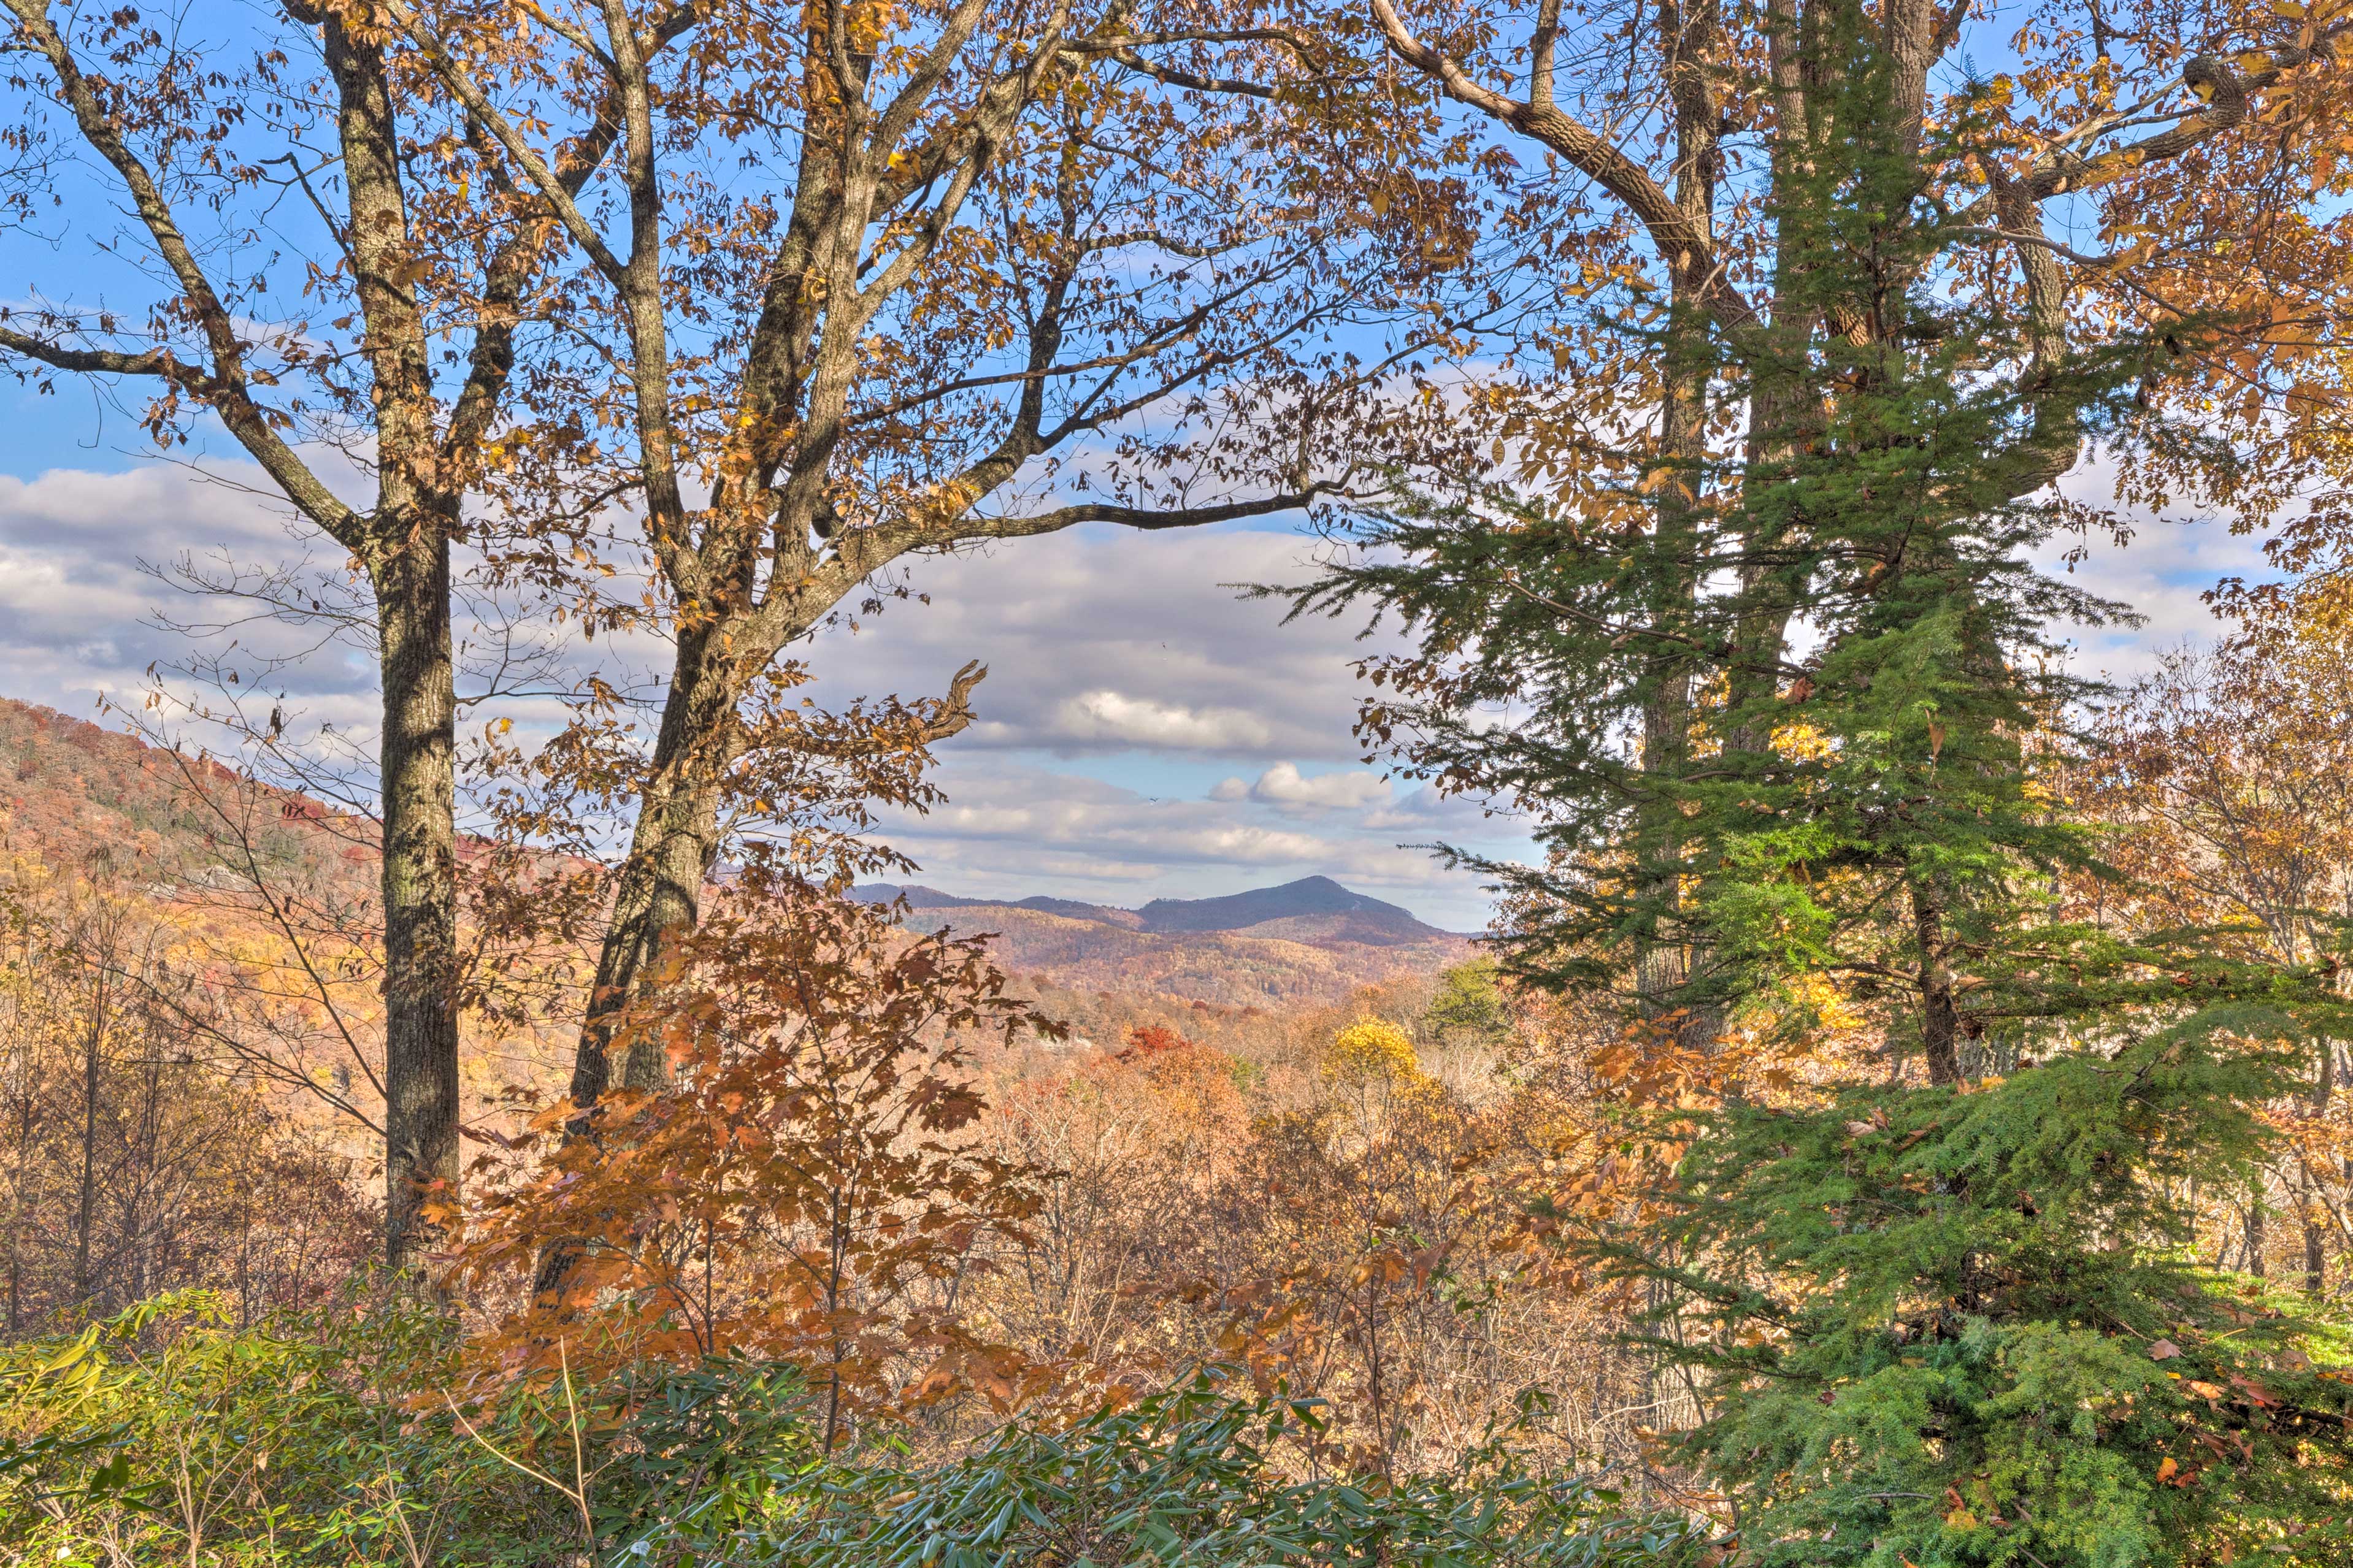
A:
[420, 883]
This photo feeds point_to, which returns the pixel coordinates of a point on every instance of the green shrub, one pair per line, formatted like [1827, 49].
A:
[163, 1434]
[1185, 1477]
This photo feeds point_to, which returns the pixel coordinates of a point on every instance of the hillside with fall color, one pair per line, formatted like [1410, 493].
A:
[1306, 944]
[70, 788]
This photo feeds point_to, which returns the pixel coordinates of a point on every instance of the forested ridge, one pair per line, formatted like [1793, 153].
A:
[1897, 1115]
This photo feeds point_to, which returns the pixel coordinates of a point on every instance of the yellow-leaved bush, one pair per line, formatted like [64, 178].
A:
[1372, 1049]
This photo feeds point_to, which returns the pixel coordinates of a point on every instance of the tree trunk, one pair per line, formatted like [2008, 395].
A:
[1666, 965]
[671, 854]
[86, 1212]
[420, 887]
[1665, 961]
[1940, 1033]
[2316, 1261]
[2315, 1258]
[17, 1213]
[407, 550]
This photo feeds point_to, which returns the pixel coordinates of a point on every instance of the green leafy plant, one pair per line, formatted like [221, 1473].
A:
[1193, 1475]
[165, 1434]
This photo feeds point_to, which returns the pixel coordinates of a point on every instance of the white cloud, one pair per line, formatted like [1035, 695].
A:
[1285, 788]
[1027, 807]
[1142, 722]
[82, 600]
[2163, 571]
[1103, 641]
[1427, 812]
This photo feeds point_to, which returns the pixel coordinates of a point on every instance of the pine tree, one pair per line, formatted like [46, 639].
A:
[1953, 1322]
[1801, 802]
[1953, 1328]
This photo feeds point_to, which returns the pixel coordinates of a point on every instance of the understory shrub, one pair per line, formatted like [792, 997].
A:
[165, 1434]
[1189, 1477]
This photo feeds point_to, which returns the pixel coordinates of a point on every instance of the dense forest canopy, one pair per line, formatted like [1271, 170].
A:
[1894, 1118]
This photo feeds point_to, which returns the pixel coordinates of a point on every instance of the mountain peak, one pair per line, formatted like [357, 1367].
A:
[1309, 896]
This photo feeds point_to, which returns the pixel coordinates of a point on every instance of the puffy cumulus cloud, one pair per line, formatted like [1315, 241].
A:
[1027, 807]
[2162, 572]
[108, 519]
[1285, 788]
[1427, 811]
[1142, 722]
[93, 594]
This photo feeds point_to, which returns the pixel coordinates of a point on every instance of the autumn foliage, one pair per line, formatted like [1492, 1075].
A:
[810, 1187]
[1900, 1115]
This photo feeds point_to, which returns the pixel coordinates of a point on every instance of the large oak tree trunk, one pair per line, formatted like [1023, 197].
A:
[407, 557]
[420, 887]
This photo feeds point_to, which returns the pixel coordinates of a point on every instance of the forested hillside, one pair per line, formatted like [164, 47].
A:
[485, 1079]
[142, 1156]
[1311, 942]
[75, 787]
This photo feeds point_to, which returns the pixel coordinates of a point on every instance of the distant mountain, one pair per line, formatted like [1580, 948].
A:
[921, 898]
[69, 788]
[1312, 941]
[917, 895]
[1307, 898]
[1072, 908]
[1313, 907]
